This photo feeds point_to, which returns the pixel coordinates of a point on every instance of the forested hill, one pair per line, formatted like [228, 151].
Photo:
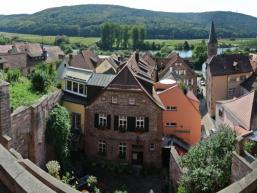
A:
[86, 20]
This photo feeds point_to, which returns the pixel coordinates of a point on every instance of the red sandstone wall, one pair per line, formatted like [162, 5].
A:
[28, 128]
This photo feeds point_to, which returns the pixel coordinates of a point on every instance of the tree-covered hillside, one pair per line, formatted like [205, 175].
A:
[86, 20]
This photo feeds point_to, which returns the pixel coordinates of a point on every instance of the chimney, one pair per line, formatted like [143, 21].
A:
[70, 57]
[137, 55]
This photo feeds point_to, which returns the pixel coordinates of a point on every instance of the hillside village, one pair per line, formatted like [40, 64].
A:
[134, 115]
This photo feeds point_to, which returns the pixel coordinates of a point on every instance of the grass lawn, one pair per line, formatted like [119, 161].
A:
[87, 41]
[21, 93]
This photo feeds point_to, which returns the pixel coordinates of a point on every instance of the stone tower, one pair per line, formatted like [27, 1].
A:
[213, 42]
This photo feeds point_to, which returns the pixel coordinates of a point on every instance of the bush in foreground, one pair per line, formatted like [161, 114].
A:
[208, 164]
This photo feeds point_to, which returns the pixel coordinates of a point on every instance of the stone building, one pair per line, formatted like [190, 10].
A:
[173, 66]
[224, 74]
[125, 120]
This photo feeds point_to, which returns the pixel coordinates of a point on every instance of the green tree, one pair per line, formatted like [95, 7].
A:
[199, 55]
[61, 39]
[135, 37]
[125, 37]
[186, 46]
[208, 163]
[58, 133]
[4, 40]
[43, 77]
[142, 35]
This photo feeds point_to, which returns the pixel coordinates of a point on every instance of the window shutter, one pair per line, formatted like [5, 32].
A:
[131, 123]
[146, 124]
[96, 120]
[116, 123]
[108, 121]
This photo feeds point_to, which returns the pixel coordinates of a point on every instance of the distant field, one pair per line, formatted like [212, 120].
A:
[88, 41]
[50, 39]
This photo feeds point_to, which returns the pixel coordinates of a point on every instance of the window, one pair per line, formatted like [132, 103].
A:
[242, 78]
[232, 79]
[102, 147]
[122, 150]
[171, 69]
[171, 108]
[81, 89]
[114, 100]
[221, 112]
[68, 85]
[231, 92]
[140, 123]
[152, 147]
[75, 87]
[102, 121]
[123, 122]
[132, 101]
[182, 131]
[172, 125]
[76, 120]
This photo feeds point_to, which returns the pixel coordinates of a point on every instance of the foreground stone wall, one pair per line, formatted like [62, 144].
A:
[28, 126]
[175, 171]
[20, 175]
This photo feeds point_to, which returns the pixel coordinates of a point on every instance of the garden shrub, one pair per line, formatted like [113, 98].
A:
[40, 81]
[53, 168]
[13, 75]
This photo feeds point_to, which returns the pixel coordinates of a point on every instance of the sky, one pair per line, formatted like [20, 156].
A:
[248, 7]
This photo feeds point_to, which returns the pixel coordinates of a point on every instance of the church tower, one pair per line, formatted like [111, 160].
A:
[213, 42]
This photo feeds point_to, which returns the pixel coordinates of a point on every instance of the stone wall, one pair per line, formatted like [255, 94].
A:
[28, 128]
[20, 175]
[175, 170]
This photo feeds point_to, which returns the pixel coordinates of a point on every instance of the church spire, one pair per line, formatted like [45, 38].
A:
[212, 36]
[213, 42]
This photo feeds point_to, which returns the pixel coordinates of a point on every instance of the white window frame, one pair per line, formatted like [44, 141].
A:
[140, 122]
[102, 147]
[171, 125]
[132, 101]
[152, 147]
[122, 150]
[123, 121]
[84, 94]
[114, 100]
[102, 120]
[77, 117]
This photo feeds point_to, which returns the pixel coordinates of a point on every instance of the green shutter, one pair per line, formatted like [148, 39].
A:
[108, 121]
[146, 124]
[96, 120]
[116, 123]
[131, 123]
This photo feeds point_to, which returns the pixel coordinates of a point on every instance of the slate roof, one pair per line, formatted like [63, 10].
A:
[78, 73]
[53, 52]
[32, 49]
[14, 60]
[212, 36]
[69, 97]
[229, 64]
[250, 83]
[101, 80]
[244, 109]
[131, 76]
[87, 59]
[5, 48]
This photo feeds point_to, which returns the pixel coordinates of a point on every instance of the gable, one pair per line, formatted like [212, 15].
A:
[125, 79]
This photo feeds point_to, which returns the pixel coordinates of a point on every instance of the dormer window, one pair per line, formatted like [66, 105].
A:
[76, 88]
